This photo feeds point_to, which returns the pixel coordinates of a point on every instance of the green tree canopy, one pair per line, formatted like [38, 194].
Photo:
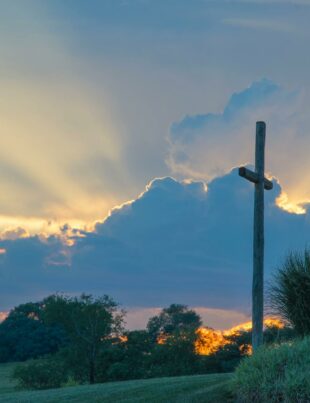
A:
[174, 333]
[24, 334]
[89, 323]
[174, 318]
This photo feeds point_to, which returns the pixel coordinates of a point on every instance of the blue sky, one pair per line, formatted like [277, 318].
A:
[101, 98]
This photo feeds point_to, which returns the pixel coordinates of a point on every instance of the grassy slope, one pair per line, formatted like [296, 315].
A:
[199, 388]
[6, 383]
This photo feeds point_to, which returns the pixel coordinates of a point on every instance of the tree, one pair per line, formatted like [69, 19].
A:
[134, 356]
[229, 355]
[24, 335]
[174, 333]
[289, 293]
[89, 322]
[174, 318]
[31, 310]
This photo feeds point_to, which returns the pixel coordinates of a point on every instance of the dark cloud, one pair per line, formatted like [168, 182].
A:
[31, 268]
[178, 242]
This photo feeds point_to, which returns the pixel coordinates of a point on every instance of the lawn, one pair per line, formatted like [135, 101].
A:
[6, 383]
[198, 388]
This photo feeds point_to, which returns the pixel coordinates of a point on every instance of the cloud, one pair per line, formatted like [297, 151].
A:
[220, 319]
[14, 233]
[69, 73]
[31, 268]
[137, 318]
[207, 145]
[178, 242]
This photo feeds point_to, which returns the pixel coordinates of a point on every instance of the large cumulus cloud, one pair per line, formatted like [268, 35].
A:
[207, 145]
[177, 242]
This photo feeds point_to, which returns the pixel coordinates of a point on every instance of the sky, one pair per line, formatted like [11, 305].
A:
[122, 123]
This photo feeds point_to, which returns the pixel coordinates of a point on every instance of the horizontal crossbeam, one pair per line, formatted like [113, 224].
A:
[253, 177]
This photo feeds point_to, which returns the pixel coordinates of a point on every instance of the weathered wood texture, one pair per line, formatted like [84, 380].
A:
[261, 183]
[258, 240]
[253, 177]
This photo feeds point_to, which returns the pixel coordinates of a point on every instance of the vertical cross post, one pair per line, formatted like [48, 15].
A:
[261, 183]
[258, 240]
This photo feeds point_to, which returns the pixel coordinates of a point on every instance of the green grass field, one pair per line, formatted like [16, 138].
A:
[6, 383]
[198, 388]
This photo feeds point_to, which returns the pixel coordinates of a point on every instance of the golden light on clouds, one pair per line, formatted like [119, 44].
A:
[63, 150]
[208, 145]
[283, 202]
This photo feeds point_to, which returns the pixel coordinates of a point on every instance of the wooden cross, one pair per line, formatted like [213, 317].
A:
[261, 183]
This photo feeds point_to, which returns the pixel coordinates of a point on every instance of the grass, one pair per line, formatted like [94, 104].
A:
[7, 385]
[183, 389]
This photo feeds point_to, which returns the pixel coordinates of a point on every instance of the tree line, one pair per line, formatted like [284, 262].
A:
[74, 340]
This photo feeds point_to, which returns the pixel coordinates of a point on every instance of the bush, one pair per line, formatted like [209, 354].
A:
[275, 374]
[44, 373]
[289, 294]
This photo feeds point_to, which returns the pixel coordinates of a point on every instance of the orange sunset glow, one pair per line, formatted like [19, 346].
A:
[210, 340]
[3, 315]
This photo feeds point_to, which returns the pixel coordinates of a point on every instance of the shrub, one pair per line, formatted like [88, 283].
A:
[289, 294]
[275, 374]
[70, 382]
[44, 373]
